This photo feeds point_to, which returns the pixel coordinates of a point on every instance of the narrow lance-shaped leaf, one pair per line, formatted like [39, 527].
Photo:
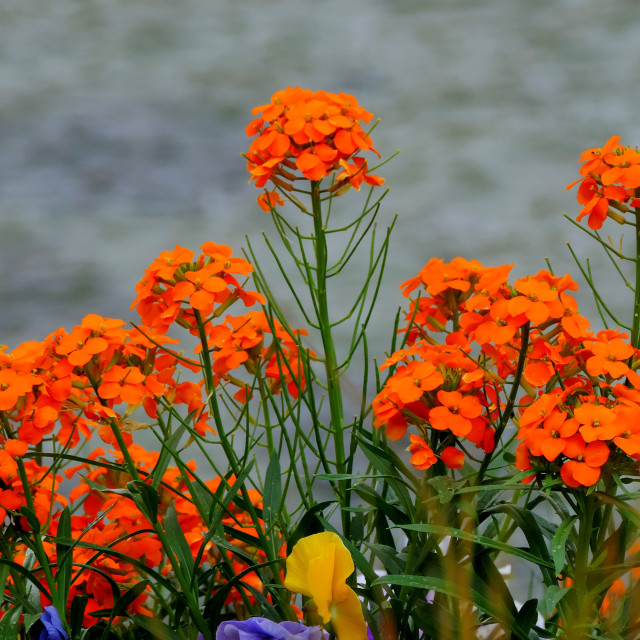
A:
[272, 492]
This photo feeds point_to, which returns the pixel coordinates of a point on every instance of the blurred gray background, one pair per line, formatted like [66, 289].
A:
[122, 124]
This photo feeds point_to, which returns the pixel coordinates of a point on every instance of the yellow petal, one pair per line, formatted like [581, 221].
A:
[320, 581]
[347, 618]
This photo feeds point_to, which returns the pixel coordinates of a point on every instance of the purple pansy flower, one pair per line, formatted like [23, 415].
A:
[53, 628]
[263, 629]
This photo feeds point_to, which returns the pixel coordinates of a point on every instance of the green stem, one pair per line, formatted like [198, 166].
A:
[185, 582]
[506, 414]
[330, 360]
[230, 454]
[39, 549]
[583, 616]
[635, 331]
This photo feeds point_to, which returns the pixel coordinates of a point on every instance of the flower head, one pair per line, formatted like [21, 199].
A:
[312, 133]
[318, 567]
[610, 177]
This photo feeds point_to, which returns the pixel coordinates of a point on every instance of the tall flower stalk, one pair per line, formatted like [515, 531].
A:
[308, 145]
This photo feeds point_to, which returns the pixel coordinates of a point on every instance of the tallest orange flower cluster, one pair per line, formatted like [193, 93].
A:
[311, 132]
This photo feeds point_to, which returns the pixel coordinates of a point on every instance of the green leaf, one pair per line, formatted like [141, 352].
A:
[214, 606]
[4, 574]
[32, 519]
[357, 528]
[531, 529]
[392, 561]
[628, 511]
[489, 543]
[445, 487]
[233, 494]
[559, 543]
[64, 554]
[168, 450]
[99, 487]
[309, 524]
[158, 629]
[204, 498]
[146, 498]
[32, 606]
[178, 542]
[349, 476]
[9, 623]
[385, 461]
[223, 543]
[488, 580]
[121, 604]
[552, 595]
[449, 588]
[371, 497]
[76, 614]
[26, 574]
[528, 615]
[272, 496]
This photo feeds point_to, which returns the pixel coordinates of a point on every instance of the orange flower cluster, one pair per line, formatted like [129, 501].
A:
[72, 382]
[611, 176]
[589, 422]
[44, 491]
[61, 391]
[581, 404]
[178, 287]
[105, 545]
[313, 133]
[241, 341]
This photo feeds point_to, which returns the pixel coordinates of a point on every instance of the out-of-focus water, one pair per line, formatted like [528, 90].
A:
[122, 124]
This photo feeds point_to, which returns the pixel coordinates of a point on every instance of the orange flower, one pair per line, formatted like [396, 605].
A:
[13, 385]
[575, 325]
[499, 326]
[550, 440]
[596, 422]
[357, 173]
[595, 201]
[537, 411]
[412, 380]
[538, 300]
[437, 277]
[422, 456]
[269, 200]
[455, 413]
[610, 353]
[543, 361]
[587, 459]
